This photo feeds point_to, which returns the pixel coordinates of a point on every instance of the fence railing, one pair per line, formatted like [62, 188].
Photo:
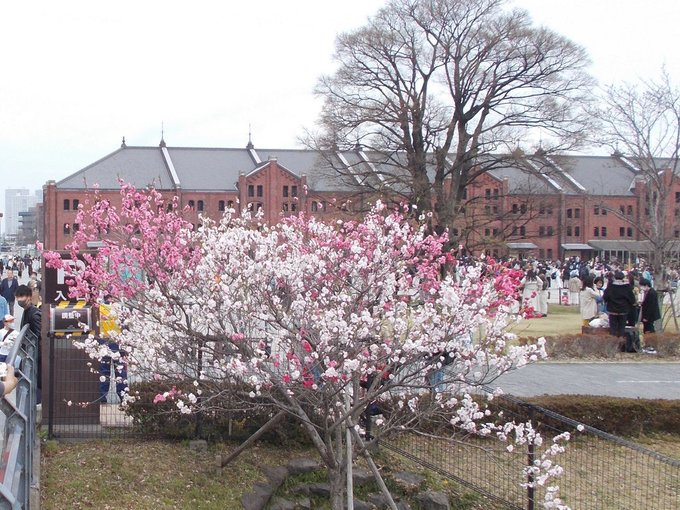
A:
[602, 471]
[19, 430]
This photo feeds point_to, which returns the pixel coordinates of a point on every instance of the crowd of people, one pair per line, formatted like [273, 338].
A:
[606, 293]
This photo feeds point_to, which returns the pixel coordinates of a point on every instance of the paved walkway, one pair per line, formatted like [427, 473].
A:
[616, 379]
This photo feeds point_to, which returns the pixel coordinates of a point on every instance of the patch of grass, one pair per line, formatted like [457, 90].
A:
[143, 475]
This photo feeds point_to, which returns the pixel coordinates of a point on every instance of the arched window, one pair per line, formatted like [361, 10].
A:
[199, 205]
[67, 204]
[220, 205]
[191, 204]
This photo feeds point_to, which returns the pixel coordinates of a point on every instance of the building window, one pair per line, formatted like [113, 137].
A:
[604, 212]
[514, 231]
[251, 190]
[629, 231]
[570, 213]
[629, 210]
[523, 208]
[541, 231]
[541, 210]
[495, 209]
[487, 193]
[622, 231]
[285, 191]
[67, 204]
[260, 190]
[220, 205]
[67, 229]
[284, 206]
[293, 191]
[315, 206]
[496, 194]
[487, 209]
[622, 210]
[676, 233]
[293, 207]
[550, 231]
[577, 231]
[550, 210]
[677, 197]
[596, 231]
[522, 231]
[596, 210]
[495, 232]
[577, 213]
[230, 204]
[515, 208]
[569, 230]
[604, 231]
[191, 204]
[199, 205]
[76, 202]
[487, 231]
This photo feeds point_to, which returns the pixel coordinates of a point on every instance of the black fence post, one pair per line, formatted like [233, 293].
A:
[50, 403]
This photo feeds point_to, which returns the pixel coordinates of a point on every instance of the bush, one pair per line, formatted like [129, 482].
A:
[581, 346]
[231, 418]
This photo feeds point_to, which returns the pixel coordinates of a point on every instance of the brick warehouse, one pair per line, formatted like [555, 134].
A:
[547, 207]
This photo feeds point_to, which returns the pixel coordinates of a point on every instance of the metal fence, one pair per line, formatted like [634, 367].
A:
[81, 397]
[602, 471]
[19, 428]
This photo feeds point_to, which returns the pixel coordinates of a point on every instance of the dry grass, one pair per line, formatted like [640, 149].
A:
[151, 475]
[598, 474]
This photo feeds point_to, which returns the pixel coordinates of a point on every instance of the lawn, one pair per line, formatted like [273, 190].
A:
[561, 320]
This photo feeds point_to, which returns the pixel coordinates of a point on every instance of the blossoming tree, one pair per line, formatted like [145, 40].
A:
[325, 322]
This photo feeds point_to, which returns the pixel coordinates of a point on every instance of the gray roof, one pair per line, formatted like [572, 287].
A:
[139, 166]
[600, 175]
[210, 169]
[217, 169]
[522, 181]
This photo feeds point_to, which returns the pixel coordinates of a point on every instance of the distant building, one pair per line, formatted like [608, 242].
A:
[16, 202]
[547, 207]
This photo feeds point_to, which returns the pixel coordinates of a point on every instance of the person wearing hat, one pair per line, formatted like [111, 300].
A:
[7, 336]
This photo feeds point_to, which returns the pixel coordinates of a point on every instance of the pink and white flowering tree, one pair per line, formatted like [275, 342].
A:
[319, 320]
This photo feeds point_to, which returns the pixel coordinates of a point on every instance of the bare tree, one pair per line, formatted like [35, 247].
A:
[435, 90]
[642, 124]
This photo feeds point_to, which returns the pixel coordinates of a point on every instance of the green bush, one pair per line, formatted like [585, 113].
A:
[231, 417]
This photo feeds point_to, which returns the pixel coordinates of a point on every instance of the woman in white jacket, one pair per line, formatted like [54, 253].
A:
[588, 298]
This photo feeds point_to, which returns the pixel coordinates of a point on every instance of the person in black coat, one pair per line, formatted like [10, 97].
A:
[620, 300]
[33, 317]
[650, 312]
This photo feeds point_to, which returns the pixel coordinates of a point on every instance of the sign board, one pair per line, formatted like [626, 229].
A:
[56, 281]
[73, 318]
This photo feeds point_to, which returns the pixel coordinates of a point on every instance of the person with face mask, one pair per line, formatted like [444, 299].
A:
[33, 318]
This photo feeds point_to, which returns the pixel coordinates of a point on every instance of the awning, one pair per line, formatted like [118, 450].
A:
[622, 245]
[522, 246]
[576, 246]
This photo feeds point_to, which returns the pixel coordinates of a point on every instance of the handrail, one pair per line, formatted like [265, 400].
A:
[18, 433]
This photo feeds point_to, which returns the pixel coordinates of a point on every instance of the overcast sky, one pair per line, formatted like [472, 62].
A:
[79, 75]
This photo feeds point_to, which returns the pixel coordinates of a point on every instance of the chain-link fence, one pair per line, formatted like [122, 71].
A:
[602, 471]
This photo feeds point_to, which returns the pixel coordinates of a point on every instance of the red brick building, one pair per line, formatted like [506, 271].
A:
[547, 207]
